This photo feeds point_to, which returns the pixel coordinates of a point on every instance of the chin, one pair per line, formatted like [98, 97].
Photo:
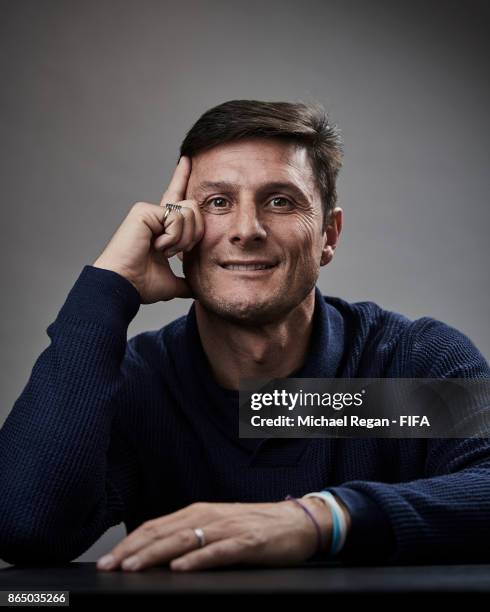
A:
[243, 310]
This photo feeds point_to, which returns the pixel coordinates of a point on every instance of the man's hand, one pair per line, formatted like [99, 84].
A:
[140, 248]
[278, 534]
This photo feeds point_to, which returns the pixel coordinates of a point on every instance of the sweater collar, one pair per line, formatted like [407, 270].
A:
[221, 405]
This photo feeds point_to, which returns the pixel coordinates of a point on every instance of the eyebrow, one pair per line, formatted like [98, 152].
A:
[206, 186]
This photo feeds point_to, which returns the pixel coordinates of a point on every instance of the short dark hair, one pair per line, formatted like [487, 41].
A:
[305, 124]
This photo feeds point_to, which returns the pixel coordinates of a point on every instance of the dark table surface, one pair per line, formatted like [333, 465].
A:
[333, 579]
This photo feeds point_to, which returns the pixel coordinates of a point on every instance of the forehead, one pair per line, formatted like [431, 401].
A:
[252, 162]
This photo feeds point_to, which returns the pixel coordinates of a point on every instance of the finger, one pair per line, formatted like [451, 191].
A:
[174, 228]
[162, 526]
[142, 536]
[131, 544]
[199, 229]
[214, 529]
[187, 234]
[200, 513]
[199, 226]
[151, 215]
[162, 551]
[183, 217]
[172, 543]
[178, 183]
[193, 227]
[224, 552]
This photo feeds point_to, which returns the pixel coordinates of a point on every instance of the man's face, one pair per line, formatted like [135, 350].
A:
[248, 219]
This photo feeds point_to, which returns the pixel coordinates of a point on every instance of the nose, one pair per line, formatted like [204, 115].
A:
[246, 226]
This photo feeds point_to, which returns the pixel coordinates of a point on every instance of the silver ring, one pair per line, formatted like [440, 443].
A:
[169, 207]
[200, 536]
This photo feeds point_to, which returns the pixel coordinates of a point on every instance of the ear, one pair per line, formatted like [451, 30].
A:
[331, 236]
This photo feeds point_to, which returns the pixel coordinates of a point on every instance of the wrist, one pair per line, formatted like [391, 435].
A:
[323, 517]
[105, 265]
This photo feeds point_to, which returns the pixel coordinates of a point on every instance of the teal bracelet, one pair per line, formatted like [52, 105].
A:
[334, 549]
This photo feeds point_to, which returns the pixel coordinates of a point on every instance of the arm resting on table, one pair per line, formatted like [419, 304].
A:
[443, 515]
[66, 472]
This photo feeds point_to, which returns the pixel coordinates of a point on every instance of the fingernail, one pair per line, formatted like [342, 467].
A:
[131, 563]
[179, 565]
[105, 561]
[171, 253]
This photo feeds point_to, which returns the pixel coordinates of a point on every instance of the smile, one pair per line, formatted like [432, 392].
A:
[248, 267]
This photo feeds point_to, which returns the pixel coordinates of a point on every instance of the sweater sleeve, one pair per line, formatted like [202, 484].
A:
[68, 474]
[443, 515]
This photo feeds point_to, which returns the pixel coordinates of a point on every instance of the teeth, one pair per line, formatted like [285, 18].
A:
[247, 267]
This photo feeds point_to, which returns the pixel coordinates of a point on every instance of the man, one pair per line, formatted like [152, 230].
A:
[146, 431]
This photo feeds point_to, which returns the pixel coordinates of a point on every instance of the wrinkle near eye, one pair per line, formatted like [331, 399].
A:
[307, 224]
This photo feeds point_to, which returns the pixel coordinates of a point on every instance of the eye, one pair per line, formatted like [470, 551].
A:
[216, 204]
[281, 204]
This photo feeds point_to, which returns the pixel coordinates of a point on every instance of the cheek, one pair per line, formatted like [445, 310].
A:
[214, 230]
[305, 238]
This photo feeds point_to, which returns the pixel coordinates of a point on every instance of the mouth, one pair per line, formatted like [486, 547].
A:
[252, 266]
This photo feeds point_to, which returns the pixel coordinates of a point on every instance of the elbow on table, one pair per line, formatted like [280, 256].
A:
[28, 548]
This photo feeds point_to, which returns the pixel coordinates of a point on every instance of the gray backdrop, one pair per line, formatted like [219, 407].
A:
[97, 95]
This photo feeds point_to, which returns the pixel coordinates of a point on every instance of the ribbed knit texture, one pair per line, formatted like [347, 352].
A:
[109, 430]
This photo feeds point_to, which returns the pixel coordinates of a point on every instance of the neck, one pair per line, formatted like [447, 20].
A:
[274, 350]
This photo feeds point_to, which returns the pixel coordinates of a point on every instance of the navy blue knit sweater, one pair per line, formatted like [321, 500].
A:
[109, 430]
